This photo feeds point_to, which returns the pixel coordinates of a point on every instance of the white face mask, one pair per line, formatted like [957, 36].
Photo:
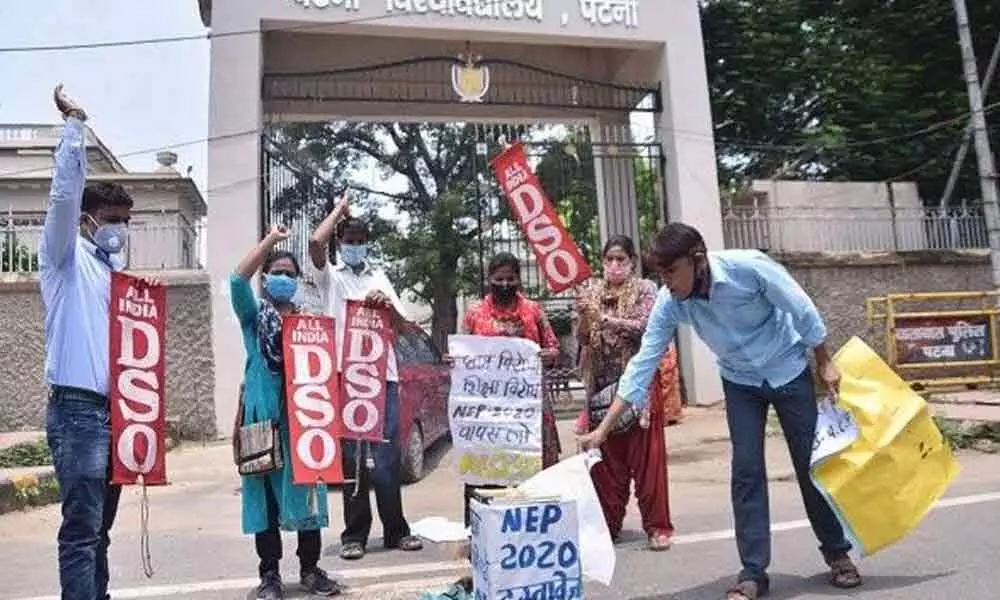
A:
[353, 254]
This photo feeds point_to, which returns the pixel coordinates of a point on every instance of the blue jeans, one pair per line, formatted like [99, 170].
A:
[746, 413]
[78, 426]
[384, 478]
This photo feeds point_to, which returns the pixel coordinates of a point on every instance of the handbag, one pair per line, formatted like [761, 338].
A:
[599, 404]
[257, 446]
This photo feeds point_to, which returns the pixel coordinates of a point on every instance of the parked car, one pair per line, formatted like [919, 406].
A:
[424, 385]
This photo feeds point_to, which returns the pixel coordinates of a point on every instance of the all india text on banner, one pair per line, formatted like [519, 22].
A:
[367, 342]
[311, 390]
[138, 415]
[559, 257]
[495, 409]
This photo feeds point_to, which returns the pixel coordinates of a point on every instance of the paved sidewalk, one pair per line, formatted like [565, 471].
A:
[972, 405]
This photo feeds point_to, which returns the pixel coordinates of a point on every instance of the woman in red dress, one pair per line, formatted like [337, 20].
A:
[505, 311]
[613, 312]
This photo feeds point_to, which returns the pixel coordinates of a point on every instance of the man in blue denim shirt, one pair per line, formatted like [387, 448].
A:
[83, 234]
[760, 324]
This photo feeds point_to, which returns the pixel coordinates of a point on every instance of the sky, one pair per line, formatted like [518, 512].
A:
[140, 99]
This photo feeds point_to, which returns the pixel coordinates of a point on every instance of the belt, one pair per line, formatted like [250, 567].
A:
[75, 392]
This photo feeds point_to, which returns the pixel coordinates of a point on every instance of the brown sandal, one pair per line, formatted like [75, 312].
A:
[658, 542]
[843, 574]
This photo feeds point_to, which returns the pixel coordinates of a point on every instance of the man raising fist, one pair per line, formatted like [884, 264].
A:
[85, 229]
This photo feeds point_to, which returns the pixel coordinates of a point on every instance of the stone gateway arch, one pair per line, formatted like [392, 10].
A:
[590, 62]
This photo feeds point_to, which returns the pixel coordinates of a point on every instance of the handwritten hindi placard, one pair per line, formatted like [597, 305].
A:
[495, 409]
[525, 550]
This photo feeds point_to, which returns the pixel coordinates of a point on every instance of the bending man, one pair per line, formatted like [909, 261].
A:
[761, 325]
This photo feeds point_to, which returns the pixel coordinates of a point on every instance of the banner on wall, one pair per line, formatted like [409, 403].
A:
[137, 339]
[558, 256]
[311, 390]
[368, 339]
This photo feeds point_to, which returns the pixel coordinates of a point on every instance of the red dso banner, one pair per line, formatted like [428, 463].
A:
[558, 255]
[137, 342]
[368, 338]
[310, 354]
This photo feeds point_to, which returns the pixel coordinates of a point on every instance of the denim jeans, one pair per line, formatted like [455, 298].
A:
[384, 478]
[746, 413]
[78, 426]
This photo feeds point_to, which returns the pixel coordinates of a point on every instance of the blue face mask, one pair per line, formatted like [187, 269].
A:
[110, 237]
[353, 254]
[281, 288]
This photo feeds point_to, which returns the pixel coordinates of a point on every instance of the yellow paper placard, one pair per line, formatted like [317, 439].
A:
[886, 482]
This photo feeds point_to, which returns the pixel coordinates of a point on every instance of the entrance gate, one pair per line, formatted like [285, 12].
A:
[276, 62]
[296, 191]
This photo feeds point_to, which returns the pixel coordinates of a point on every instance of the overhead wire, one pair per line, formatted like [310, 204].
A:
[718, 140]
[209, 35]
[684, 133]
[724, 140]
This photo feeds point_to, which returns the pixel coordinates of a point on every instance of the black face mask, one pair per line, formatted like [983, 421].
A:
[503, 293]
[702, 279]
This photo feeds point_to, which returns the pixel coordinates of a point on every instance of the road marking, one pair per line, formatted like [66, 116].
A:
[222, 585]
[459, 567]
[728, 534]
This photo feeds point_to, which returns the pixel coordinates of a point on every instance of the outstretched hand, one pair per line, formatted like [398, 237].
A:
[66, 105]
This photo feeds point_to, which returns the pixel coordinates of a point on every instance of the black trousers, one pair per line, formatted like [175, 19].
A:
[268, 542]
[384, 478]
[385, 481]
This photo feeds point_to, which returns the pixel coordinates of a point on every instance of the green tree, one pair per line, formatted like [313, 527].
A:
[567, 173]
[800, 88]
[428, 239]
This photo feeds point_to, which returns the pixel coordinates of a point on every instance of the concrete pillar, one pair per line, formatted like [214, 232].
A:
[235, 119]
[692, 185]
[617, 204]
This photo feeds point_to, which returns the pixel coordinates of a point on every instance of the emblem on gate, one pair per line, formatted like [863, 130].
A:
[470, 79]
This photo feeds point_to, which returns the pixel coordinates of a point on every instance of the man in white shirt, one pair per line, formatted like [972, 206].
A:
[85, 229]
[353, 277]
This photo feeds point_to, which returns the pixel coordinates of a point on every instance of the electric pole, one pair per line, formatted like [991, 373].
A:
[963, 150]
[984, 155]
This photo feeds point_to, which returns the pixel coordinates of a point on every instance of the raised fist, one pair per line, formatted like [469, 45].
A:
[278, 233]
[67, 107]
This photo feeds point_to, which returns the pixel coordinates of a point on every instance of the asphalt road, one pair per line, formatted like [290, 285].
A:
[198, 552]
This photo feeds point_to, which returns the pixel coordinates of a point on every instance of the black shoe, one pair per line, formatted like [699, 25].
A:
[270, 587]
[315, 581]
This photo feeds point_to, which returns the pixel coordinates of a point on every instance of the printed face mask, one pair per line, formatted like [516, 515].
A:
[353, 254]
[617, 271]
[281, 288]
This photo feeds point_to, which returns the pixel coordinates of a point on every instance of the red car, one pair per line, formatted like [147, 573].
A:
[424, 385]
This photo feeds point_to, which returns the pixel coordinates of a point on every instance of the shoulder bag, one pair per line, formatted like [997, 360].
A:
[257, 446]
